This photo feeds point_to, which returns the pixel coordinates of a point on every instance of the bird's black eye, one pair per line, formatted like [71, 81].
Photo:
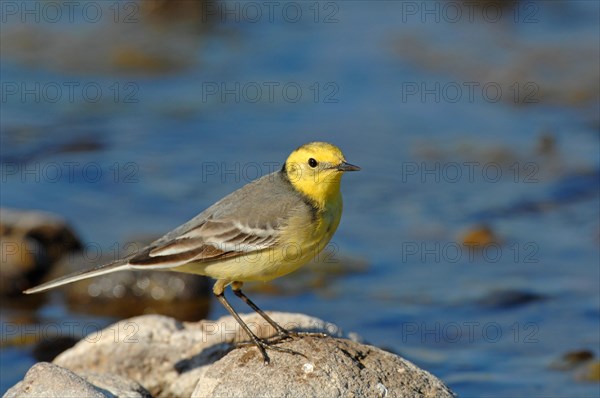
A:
[312, 162]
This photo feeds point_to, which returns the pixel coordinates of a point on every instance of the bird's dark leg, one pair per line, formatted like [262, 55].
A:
[282, 333]
[258, 342]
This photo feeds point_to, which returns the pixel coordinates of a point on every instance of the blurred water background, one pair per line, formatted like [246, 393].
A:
[470, 240]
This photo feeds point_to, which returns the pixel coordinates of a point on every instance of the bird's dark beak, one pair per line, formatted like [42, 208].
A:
[347, 167]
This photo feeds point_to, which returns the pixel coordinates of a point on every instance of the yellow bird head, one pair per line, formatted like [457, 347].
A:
[315, 169]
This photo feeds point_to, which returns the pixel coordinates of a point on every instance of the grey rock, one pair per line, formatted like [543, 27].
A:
[143, 349]
[332, 368]
[51, 381]
[47, 380]
[115, 385]
[172, 358]
[165, 355]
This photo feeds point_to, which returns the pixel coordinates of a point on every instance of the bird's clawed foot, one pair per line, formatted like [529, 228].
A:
[271, 343]
[283, 335]
[264, 345]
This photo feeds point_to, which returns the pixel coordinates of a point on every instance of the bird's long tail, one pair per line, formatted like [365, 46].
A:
[77, 276]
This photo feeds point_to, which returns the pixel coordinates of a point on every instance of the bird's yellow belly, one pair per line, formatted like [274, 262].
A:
[294, 250]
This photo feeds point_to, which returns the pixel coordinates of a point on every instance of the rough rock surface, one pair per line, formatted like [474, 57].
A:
[32, 242]
[165, 355]
[332, 368]
[171, 358]
[49, 380]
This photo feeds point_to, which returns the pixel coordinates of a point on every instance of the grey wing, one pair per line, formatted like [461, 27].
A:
[210, 241]
[248, 220]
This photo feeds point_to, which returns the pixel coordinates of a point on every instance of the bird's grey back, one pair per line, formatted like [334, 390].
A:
[265, 202]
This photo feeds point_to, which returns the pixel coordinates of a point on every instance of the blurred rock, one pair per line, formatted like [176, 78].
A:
[572, 359]
[546, 145]
[29, 143]
[23, 264]
[479, 237]
[49, 380]
[170, 358]
[590, 372]
[502, 299]
[132, 59]
[46, 349]
[125, 294]
[175, 11]
[581, 361]
[32, 242]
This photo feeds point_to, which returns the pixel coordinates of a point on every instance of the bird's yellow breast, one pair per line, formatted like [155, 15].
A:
[304, 240]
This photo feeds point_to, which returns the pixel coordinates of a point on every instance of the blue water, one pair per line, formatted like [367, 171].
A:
[387, 83]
